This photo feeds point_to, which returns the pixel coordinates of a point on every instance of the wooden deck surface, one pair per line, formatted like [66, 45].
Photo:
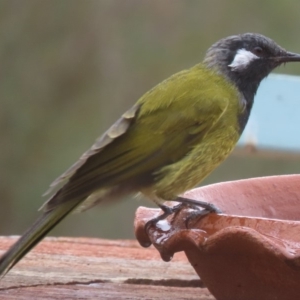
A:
[84, 268]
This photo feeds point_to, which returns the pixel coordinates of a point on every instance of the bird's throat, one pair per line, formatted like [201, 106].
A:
[246, 105]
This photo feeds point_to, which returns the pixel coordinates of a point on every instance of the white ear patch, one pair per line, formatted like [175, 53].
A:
[242, 59]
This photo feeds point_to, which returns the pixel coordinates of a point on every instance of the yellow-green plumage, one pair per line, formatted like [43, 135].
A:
[169, 141]
[170, 154]
[148, 150]
[200, 130]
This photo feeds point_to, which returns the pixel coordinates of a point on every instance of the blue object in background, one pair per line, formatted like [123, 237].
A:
[275, 119]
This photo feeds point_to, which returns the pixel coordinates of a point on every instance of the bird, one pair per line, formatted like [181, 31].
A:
[175, 135]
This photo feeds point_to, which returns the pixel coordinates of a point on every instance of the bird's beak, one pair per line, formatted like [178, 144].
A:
[287, 57]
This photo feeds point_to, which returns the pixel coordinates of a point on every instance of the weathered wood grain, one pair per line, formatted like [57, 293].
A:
[84, 268]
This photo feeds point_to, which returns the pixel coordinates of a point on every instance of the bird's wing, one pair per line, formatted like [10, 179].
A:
[159, 130]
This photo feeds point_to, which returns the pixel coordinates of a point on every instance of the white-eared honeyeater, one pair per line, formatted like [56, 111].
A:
[172, 138]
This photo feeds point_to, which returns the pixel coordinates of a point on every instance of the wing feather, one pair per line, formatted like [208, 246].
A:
[159, 130]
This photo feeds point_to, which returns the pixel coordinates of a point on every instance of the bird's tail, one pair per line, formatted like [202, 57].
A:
[34, 234]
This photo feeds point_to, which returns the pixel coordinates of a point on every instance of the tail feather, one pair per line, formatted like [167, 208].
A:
[34, 234]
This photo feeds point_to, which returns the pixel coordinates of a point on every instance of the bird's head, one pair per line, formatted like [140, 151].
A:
[246, 59]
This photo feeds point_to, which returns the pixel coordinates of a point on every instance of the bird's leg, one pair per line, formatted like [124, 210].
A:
[167, 211]
[207, 208]
[197, 203]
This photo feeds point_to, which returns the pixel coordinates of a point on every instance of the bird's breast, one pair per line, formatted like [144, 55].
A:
[198, 163]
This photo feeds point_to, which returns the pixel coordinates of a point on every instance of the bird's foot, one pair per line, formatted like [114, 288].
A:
[211, 208]
[167, 211]
[194, 204]
[197, 213]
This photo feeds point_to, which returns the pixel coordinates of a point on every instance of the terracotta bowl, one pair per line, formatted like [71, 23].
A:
[251, 251]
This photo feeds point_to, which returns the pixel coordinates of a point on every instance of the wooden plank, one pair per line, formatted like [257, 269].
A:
[105, 291]
[84, 268]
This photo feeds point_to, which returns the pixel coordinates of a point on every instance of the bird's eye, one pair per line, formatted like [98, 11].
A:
[258, 51]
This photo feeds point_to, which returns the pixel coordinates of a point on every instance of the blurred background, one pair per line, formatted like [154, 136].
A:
[70, 68]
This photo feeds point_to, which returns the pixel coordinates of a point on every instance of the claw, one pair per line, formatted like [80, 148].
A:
[195, 204]
[195, 215]
[206, 205]
[167, 211]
